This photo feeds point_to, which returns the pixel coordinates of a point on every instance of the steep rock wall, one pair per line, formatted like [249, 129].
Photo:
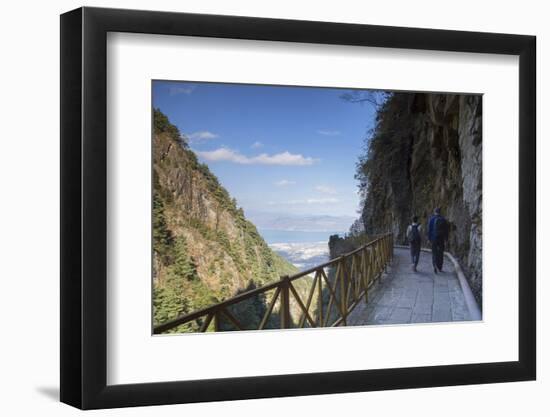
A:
[204, 249]
[426, 152]
[227, 250]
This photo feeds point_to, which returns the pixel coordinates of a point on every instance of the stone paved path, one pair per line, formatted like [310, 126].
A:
[402, 296]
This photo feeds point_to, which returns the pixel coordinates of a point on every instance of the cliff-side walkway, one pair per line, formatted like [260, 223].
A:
[403, 296]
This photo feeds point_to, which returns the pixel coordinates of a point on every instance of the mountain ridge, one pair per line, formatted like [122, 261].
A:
[204, 248]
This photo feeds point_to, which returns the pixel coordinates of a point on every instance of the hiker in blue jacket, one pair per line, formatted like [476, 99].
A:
[438, 232]
[414, 236]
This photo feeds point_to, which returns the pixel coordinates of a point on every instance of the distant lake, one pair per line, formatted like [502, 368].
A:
[295, 236]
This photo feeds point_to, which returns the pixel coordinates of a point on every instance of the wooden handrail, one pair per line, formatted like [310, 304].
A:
[350, 284]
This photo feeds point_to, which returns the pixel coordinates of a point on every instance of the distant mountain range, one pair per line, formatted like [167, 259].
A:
[310, 223]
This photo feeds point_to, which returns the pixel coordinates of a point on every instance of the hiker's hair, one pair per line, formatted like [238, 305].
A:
[437, 210]
[415, 219]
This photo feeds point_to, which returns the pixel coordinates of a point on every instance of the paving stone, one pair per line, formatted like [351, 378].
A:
[389, 299]
[457, 299]
[424, 300]
[442, 314]
[421, 318]
[375, 295]
[460, 315]
[425, 289]
[442, 300]
[362, 310]
[379, 314]
[411, 292]
[406, 301]
[425, 295]
[441, 286]
[422, 308]
[400, 315]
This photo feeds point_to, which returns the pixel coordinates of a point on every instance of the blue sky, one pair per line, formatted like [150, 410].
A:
[281, 150]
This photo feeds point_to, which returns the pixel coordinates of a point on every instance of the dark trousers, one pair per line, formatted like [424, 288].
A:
[415, 252]
[438, 247]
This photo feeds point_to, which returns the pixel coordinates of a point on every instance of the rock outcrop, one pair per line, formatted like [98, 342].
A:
[205, 250]
[426, 152]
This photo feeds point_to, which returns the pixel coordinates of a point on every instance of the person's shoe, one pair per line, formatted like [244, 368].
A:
[414, 268]
[435, 269]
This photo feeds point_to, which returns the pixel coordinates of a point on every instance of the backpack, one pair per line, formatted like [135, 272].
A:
[440, 228]
[415, 234]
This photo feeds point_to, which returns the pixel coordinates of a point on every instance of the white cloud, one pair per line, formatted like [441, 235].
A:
[283, 158]
[283, 183]
[223, 154]
[181, 89]
[202, 136]
[257, 145]
[325, 189]
[329, 132]
[306, 201]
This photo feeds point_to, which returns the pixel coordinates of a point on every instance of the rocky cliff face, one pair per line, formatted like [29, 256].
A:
[204, 248]
[426, 152]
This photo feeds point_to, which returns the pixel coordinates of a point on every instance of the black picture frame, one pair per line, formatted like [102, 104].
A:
[84, 207]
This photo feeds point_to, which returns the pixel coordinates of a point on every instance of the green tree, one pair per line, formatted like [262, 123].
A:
[162, 125]
[183, 265]
[162, 237]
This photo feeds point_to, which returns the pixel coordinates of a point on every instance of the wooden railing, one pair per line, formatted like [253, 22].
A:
[334, 289]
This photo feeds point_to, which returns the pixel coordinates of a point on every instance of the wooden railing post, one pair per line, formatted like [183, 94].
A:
[385, 253]
[365, 272]
[343, 295]
[320, 301]
[359, 274]
[216, 321]
[285, 303]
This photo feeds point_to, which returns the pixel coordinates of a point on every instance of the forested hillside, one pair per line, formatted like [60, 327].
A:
[205, 250]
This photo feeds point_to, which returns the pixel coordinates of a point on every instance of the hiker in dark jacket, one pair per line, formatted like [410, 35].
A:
[438, 232]
[414, 236]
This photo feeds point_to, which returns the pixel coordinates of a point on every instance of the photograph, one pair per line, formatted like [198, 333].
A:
[275, 209]
[258, 205]
[294, 207]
